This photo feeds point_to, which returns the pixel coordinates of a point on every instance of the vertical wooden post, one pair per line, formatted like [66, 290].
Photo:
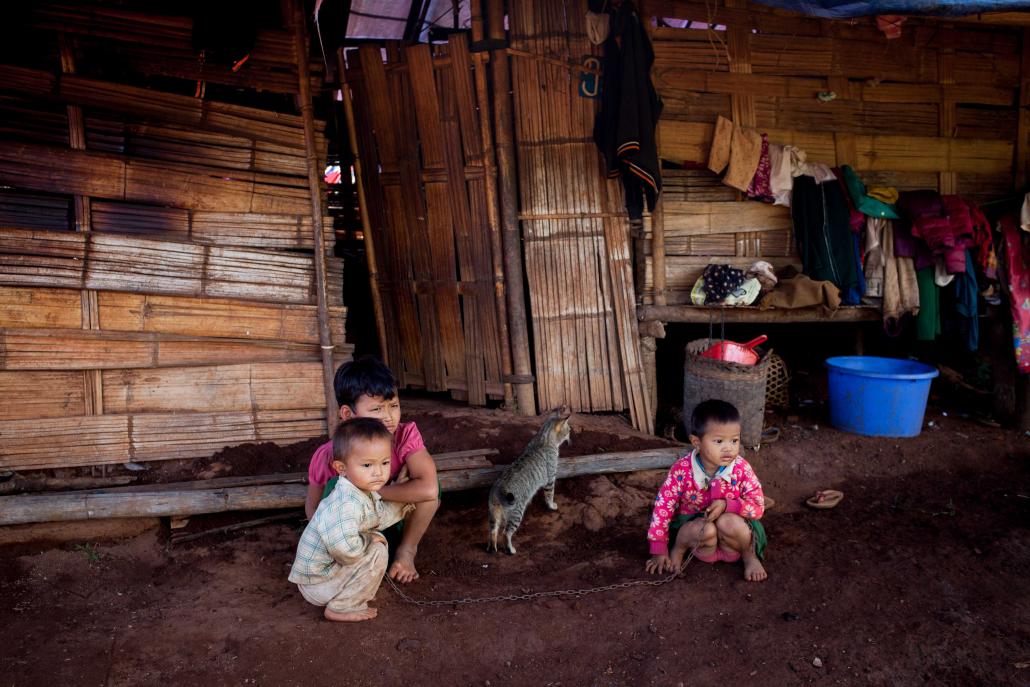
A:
[366, 223]
[492, 213]
[92, 379]
[325, 339]
[512, 239]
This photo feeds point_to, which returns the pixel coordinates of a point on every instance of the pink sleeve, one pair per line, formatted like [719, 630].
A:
[408, 440]
[665, 506]
[751, 504]
[320, 469]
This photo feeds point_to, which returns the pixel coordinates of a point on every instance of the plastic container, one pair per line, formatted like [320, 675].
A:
[879, 397]
[733, 352]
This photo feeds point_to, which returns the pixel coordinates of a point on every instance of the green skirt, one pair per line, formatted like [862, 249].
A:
[757, 531]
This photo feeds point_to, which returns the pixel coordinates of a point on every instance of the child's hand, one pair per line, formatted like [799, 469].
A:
[403, 475]
[715, 509]
[658, 565]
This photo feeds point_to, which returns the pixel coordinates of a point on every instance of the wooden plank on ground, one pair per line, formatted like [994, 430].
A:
[133, 502]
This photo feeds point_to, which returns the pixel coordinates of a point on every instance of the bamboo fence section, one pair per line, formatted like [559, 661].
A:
[935, 108]
[196, 304]
[424, 182]
[578, 263]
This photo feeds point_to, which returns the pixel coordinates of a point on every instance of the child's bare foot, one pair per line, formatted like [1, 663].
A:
[403, 568]
[351, 616]
[754, 571]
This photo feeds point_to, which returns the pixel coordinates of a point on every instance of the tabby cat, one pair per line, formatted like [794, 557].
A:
[537, 467]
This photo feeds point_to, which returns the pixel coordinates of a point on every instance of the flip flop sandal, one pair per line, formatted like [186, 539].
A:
[826, 499]
[770, 435]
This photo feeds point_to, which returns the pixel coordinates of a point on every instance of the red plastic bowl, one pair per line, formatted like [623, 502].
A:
[733, 352]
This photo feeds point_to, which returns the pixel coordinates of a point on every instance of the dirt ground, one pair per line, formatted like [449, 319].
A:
[918, 577]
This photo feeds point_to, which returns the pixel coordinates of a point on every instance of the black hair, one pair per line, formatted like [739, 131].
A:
[357, 429]
[365, 376]
[712, 410]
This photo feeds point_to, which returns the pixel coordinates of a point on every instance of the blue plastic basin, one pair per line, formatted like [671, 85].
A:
[879, 397]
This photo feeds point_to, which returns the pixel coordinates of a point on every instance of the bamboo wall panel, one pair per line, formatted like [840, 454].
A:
[85, 349]
[41, 395]
[45, 168]
[128, 263]
[223, 388]
[157, 287]
[423, 172]
[577, 257]
[131, 312]
[112, 439]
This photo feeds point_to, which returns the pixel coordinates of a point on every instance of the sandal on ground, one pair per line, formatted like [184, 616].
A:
[826, 499]
[770, 435]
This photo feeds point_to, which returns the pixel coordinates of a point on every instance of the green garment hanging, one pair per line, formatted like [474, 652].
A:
[928, 321]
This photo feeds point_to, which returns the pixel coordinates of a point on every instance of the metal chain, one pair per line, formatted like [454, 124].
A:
[541, 595]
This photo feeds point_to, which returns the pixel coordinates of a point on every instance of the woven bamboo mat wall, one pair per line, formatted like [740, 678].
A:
[576, 234]
[158, 288]
[424, 174]
[935, 108]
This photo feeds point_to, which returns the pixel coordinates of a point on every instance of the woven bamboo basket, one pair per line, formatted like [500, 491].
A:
[777, 383]
[741, 385]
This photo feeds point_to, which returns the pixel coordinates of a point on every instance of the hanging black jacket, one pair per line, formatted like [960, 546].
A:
[630, 107]
[823, 235]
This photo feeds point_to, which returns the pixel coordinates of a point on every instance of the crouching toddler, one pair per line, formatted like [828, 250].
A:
[342, 554]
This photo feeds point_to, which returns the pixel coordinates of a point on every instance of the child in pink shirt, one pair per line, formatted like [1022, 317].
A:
[366, 388]
[711, 500]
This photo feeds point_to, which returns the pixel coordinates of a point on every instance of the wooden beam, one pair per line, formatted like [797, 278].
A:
[192, 500]
[1023, 128]
[315, 191]
[511, 235]
[697, 314]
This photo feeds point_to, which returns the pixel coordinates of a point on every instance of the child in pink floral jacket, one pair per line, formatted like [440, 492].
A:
[711, 499]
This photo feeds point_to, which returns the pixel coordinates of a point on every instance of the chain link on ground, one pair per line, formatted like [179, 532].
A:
[541, 595]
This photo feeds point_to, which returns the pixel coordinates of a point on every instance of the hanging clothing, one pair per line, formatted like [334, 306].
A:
[966, 291]
[928, 320]
[759, 188]
[824, 240]
[874, 229]
[781, 181]
[864, 200]
[1017, 282]
[900, 286]
[738, 149]
[625, 126]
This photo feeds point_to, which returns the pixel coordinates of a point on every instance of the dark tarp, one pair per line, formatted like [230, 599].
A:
[844, 9]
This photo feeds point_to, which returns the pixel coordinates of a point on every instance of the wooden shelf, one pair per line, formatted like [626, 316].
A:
[743, 314]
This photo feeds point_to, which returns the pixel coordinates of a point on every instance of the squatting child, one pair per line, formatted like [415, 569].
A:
[366, 388]
[342, 555]
[711, 499]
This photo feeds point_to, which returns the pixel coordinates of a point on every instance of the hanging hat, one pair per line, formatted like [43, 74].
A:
[865, 203]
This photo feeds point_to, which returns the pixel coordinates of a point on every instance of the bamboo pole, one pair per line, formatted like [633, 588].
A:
[511, 237]
[366, 223]
[93, 384]
[492, 213]
[325, 338]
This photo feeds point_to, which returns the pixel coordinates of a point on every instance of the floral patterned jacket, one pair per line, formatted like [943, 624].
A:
[687, 491]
